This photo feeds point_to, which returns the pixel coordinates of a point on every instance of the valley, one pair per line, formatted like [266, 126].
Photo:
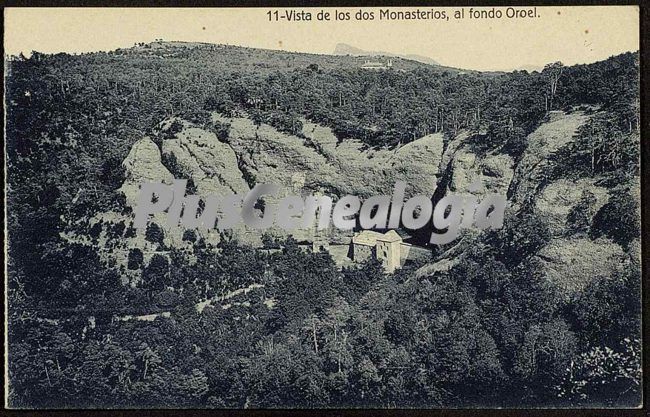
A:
[105, 315]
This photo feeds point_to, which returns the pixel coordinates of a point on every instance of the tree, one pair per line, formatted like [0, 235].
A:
[135, 259]
[619, 218]
[605, 376]
[553, 72]
[154, 234]
[148, 358]
[155, 276]
[579, 217]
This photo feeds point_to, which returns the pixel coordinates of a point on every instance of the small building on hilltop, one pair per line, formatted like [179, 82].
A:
[375, 65]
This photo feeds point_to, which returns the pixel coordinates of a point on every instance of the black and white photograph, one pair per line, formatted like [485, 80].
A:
[323, 208]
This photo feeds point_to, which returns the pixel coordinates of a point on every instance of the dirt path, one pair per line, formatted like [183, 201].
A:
[200, 306]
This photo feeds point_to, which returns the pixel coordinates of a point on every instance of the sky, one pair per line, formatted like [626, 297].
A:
[573, 35]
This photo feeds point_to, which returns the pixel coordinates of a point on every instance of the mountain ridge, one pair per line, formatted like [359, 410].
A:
[345, 49]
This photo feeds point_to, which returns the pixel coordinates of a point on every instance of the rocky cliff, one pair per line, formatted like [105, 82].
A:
[316, 162]
[570, 260]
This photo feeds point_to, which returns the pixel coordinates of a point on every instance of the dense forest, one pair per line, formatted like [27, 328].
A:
[491, 331]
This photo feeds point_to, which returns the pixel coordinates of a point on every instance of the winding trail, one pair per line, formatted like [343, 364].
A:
[200, 306]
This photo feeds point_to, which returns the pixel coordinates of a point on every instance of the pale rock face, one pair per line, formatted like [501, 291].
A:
[418, 163]
[493, 171]
[272, 157]
[453, 146]
[368, 171]
[497, 172]
[327, 166]
[268, 156]
[143, 164]
[571, 263]
[213, 167]
[464, 171]
[319, 164]
[568, 262]
[542, 143]
[556, 200]
[211, 164]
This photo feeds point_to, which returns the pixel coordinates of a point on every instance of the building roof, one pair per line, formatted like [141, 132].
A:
[377, 64]
[403, 234]
[366, 237]
[370, 237]
[390, 236]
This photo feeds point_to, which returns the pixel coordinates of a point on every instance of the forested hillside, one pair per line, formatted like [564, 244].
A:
[517, 316]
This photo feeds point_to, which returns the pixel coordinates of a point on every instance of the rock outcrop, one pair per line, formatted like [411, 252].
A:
[571, 259]
[370, 171]
[558, 199]
[572, 263]
[211, 164]
[316, 162]
[550, 136]
[464, 167]
[143, 164]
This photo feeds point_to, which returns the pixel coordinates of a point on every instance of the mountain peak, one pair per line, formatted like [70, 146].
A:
[345, 49]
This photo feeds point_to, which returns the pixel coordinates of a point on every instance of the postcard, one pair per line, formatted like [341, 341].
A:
[322, 208]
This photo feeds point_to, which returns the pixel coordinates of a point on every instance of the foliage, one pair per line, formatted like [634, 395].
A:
[604, 377]
[154, 233]
[284, 327]
[619, 218]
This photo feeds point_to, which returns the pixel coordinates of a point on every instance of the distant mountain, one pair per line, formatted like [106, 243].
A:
[530, 68]
[345, 49]
[258, 60]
